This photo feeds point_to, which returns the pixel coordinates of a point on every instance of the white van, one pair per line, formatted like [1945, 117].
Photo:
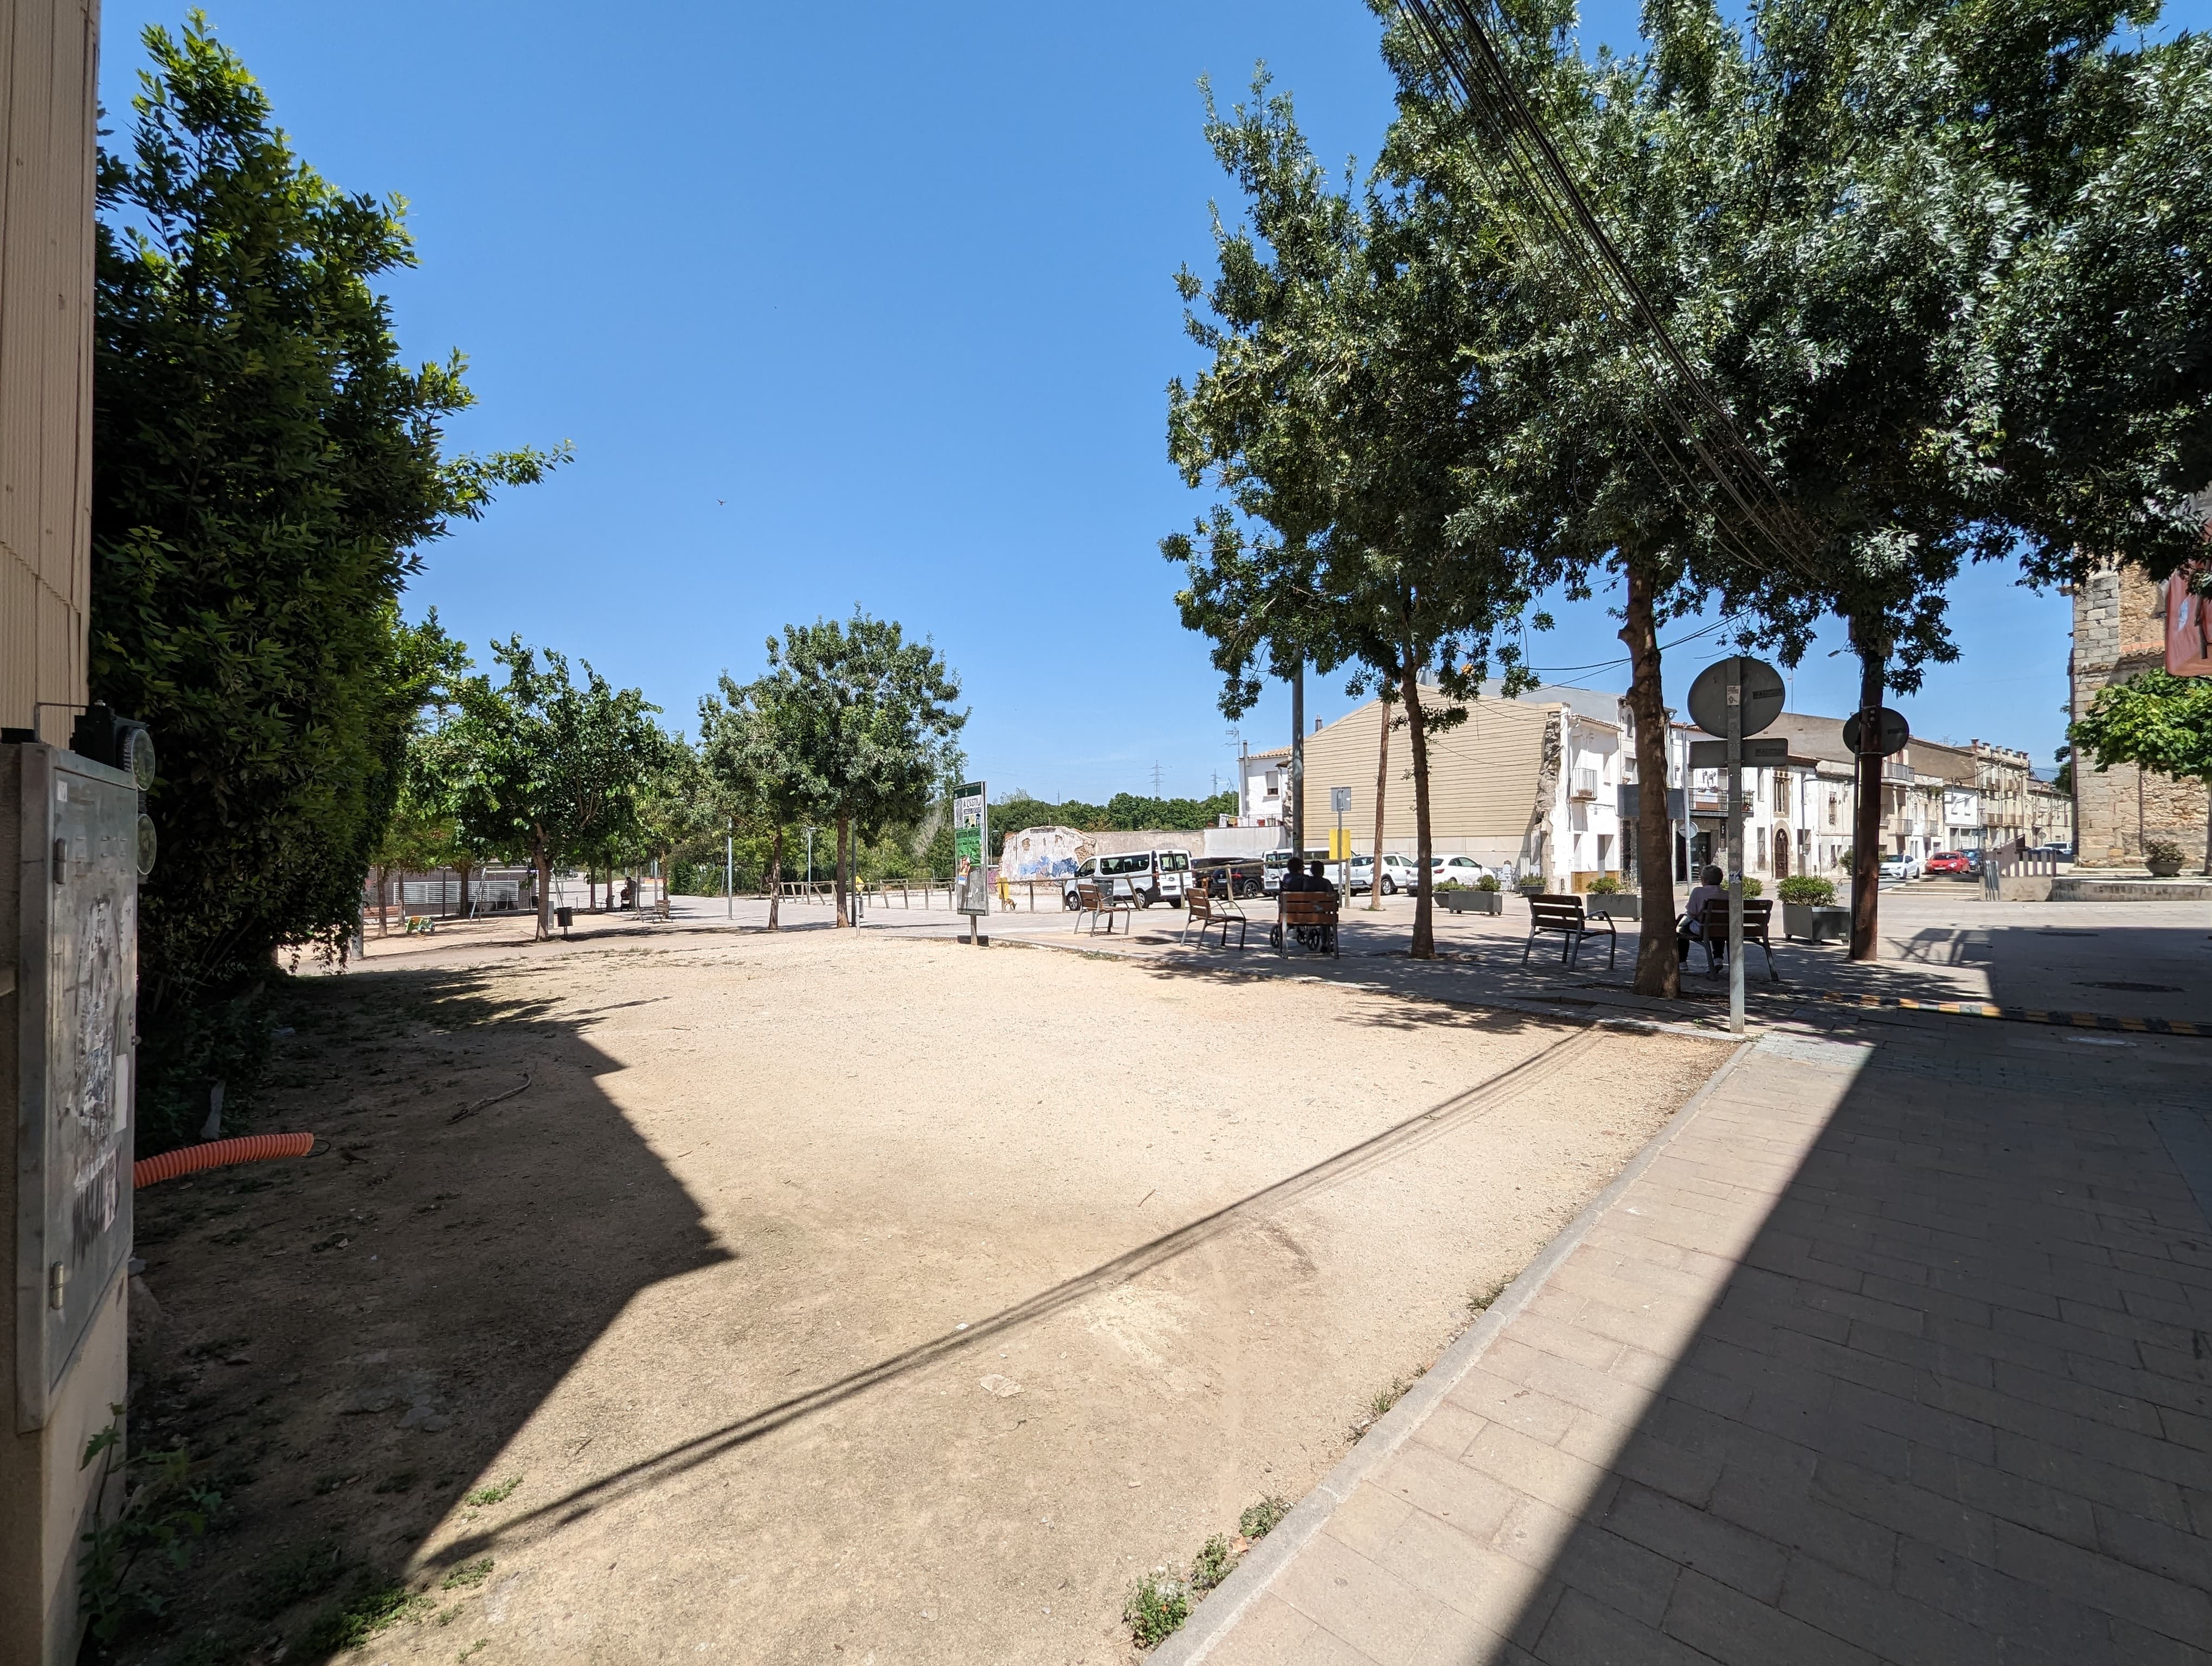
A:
[1278, 864]
[1146, 877]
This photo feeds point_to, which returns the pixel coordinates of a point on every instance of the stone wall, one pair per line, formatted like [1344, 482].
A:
[2119, 631]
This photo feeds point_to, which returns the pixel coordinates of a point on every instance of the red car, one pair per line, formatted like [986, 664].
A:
[1949, 861]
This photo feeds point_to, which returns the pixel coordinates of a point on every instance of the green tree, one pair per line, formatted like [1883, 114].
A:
[2156, 722]
[265, 473]
[871, 724]
[547, 771]
[752, 746]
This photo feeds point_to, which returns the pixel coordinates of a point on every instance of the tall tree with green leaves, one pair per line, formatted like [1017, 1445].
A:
[550, 772]
[872, 723]
[2156, 722]
[752, 743]
[265, 474]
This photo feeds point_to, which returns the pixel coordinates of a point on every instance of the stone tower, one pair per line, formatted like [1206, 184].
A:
[2119, 631]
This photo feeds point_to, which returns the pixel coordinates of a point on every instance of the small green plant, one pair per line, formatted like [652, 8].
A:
[165, 1510]
[497, 1494]
[1450, 885]
[1260, 1519]
[293, 1577]
[1529, 884]
[372, 1609]
[1479, 1298]
[1156, 1609]
[1751, 886]
[2165, 852]
[1606, 885]
[1211, 1564]
[477, 1647]
[1488, 882]
[1808, 890]
[468, 1575]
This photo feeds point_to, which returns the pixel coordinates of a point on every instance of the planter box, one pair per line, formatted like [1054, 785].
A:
[1621, 905]
[1473, 901]
[1807, 922]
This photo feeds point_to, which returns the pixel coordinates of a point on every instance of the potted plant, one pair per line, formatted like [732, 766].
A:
[1803, 895]
[2163, 858]
[1530, 885]
[1487, 897]
[1609, 900]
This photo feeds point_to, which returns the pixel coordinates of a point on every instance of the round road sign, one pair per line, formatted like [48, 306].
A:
[1762, 694]
[1890, 734]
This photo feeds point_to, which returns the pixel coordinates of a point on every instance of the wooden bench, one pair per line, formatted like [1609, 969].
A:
[1713, 931]
[1311, 912]
[1100, 903]
[1207, 911]
[1565, 915]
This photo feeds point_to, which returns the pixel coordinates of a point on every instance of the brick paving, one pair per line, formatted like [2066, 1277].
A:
[1898, 1349]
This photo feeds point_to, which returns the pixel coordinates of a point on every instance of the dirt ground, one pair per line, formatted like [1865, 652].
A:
[826, 1297]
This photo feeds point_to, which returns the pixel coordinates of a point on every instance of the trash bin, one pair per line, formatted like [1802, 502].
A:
[564, 918]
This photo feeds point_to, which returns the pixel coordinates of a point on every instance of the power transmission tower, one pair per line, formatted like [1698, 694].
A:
[1155, 781]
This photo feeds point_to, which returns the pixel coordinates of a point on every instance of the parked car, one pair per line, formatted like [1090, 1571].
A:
[1244, 876]
[1398, 873]
[1974, 863]
[1445, 869]
[1278, 864]
[1949, 861]
[1146, 877]
[1900, 867]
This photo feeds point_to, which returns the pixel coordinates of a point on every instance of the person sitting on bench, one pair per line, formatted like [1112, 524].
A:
[1709, 890]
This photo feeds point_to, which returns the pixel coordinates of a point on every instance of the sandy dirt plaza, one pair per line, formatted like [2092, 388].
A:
[828, 1296]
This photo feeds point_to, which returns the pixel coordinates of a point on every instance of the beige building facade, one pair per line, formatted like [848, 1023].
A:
[2119, 631]
[47, 63]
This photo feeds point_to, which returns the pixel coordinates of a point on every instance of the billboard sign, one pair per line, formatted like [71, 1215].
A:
[2189, 624]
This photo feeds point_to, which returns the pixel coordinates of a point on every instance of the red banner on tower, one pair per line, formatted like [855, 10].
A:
[2188, 624]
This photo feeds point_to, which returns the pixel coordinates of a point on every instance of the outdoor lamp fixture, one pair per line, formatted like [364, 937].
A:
[125, 744]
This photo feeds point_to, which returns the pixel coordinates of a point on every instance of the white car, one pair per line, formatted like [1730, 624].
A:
[1398, 873]
[1900, 867]
[1442, 870]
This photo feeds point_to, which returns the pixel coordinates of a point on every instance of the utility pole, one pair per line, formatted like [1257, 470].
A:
[1735, 842]
[729, 866]
[1299, 760]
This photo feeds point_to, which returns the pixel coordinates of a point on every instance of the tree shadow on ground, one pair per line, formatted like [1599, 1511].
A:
[1954, 1402]
[348, 1341]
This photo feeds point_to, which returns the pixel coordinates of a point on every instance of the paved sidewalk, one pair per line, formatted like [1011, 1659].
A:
[1897, 1347]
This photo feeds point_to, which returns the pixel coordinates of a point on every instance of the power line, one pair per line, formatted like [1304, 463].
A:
[1470, 61]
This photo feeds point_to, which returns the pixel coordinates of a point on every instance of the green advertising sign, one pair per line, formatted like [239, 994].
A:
[968, 823]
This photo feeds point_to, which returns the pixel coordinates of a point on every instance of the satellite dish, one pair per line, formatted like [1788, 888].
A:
[1762, 694]
[1891, 733]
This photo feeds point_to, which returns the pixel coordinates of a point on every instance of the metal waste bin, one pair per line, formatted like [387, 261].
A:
[564, 918]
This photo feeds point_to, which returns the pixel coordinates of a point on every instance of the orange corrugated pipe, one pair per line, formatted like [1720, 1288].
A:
[217, 1153]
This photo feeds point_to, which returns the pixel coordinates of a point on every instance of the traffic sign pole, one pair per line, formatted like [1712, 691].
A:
[1735, 842]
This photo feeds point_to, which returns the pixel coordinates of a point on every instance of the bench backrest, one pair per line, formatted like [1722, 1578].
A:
[1201, 904]
[1757, 911]
[1555, 913]
[1310, 908]
[1087, 895]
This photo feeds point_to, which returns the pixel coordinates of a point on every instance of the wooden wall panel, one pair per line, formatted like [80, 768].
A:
[48, 81]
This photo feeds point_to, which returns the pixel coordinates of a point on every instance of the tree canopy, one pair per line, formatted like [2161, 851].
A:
[265, 473]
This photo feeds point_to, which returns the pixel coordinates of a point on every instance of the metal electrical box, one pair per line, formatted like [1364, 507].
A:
[76, 967]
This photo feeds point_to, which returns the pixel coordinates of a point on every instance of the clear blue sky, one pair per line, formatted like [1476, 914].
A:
[874, 305]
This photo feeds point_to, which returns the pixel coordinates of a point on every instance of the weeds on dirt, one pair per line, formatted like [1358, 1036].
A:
[498, 1494]
[1381, 1401]
[1479, 1298]
[1156, 1607]
[371, 1609]
[1211, 1565]
[467, 1575]
[474, 1648]
[165, 1511]
[1260, 1519]
[293, 1577]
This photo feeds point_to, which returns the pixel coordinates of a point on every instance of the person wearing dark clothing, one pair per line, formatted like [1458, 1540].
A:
[1709, 890]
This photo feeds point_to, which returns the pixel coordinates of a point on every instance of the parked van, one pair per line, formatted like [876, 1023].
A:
[1278, 864]
[1146, 877]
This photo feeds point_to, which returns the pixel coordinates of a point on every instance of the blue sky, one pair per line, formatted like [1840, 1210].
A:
[873, 306]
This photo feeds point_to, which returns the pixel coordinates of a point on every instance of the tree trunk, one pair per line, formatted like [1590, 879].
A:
[463, 865]
[1866, 830]
[591, 889]
[541, 859]
[383, 897]
[1658, 967]
[1382, 788]
[1425, 928]
[844, 830]
[775, 881]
